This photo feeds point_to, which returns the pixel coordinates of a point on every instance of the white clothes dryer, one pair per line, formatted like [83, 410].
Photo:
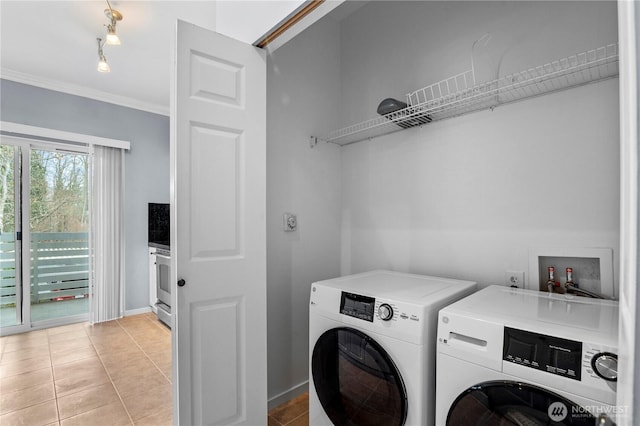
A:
[372, 347]
[522, 357]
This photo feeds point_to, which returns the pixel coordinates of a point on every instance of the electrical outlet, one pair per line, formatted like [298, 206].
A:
[290, 222]
[514, 279]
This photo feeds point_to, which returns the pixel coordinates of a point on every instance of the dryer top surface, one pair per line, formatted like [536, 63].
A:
[417, 289]
[542, 312]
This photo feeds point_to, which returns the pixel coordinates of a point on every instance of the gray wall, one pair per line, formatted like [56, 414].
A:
[470, 196]
[146, 164]
[303, 89]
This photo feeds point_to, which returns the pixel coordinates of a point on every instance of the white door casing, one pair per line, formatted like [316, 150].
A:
[218, 197]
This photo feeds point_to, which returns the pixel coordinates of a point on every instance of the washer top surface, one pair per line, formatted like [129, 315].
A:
[409, 288]
[544, 311]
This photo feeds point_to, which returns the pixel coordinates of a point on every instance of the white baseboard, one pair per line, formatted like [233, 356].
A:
[137, 311]
[288, 395]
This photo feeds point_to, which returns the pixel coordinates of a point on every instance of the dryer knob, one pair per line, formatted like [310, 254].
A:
[385, 312]
[605, 365]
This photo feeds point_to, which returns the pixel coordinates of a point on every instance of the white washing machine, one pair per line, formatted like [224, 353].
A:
[372, 347]
[521, 357]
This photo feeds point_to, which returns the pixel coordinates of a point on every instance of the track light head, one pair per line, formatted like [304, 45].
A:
[114, 16]
[103, 66]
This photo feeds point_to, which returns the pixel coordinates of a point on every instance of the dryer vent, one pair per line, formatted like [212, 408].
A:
[405, 117]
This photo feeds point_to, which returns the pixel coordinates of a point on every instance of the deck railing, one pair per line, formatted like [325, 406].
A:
[59, 267]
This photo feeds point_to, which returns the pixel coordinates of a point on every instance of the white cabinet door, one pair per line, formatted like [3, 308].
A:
[218, 159]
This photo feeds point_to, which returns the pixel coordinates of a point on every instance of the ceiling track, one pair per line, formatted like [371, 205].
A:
[289, 22]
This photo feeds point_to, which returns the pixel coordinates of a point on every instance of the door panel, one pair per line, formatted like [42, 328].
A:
[215, 229]
[218, 158]
[222, 344]
[216, 80]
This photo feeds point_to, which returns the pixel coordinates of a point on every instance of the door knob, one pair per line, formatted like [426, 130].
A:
[181, 282]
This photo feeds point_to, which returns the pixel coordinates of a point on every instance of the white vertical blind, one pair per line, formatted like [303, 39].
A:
[107, 236]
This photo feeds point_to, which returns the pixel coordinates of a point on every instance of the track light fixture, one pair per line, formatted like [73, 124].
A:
[111, 38]
[103, 66]
[114, 16]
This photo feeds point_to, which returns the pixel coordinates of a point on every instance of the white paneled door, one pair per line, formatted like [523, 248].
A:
[218, 193]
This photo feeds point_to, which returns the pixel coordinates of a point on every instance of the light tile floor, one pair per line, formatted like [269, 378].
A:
[113, 373]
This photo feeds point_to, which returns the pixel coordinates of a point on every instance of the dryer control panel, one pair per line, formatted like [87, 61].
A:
[368, 308]
[369, 313]
[357, 306]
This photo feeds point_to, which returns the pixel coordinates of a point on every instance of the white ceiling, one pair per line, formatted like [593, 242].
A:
[53, 44]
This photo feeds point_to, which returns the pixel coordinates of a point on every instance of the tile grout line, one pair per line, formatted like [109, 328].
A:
[33, 404]
[160, 326]
[278, 423]
[102, 362]
[145, 352]
[115, 388]
[296, 418]
[53, 378]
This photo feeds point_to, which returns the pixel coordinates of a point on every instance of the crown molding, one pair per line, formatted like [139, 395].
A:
[74, 89]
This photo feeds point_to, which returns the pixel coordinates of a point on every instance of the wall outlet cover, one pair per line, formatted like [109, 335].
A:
[514, 279]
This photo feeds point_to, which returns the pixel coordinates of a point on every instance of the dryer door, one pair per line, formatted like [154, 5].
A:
[515, 403]
[356, 381]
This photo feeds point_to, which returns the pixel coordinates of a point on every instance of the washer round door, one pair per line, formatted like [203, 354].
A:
[515, 403]
[356, 381]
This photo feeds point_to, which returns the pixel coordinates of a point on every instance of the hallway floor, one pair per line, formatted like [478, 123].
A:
[113, 373]
[109, 374]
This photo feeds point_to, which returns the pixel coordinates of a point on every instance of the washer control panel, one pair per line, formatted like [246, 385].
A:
[542, 352]
[606, 366]
[600, 364]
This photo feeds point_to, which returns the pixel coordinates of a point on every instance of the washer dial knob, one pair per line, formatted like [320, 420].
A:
[605, 364]
[385, 312]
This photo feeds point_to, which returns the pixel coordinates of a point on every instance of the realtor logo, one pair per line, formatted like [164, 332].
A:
[557, 411]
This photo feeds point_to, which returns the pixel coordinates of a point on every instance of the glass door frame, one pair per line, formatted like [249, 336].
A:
[17, 234]
[23, 212]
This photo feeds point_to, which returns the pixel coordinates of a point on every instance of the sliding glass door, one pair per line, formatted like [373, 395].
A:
[59, 239]
[44, 246]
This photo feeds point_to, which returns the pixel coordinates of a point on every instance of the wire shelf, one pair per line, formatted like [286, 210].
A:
[460, 94]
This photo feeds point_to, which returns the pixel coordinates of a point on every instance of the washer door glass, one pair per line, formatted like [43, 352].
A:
[512, 403]
[356, 381]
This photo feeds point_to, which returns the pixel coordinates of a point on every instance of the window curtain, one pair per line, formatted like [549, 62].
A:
[107, 234]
